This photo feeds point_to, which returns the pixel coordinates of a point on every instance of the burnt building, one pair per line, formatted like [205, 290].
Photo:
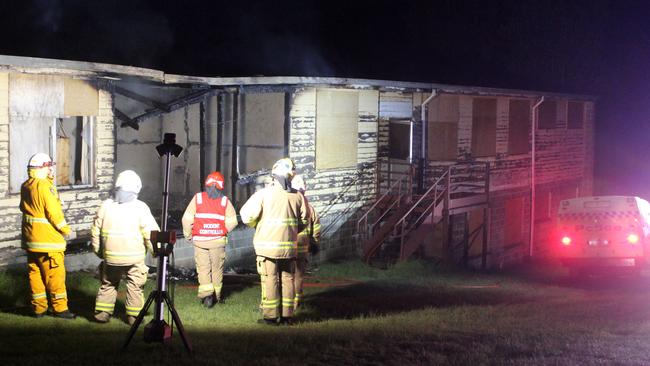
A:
[395, 169]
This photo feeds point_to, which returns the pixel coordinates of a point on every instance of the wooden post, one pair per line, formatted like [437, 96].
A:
[235, 149]
[201, 144]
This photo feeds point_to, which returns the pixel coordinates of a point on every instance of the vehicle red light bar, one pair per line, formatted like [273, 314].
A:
[633, 239]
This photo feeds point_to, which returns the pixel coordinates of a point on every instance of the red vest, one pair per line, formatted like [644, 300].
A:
[210, 218]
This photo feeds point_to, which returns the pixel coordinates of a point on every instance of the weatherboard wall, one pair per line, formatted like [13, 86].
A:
[80, 203]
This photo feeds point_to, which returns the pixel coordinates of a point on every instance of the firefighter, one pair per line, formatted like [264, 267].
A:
[278, 214]
[207, 220]
[120, 236]
[308, 240]
[44, 234]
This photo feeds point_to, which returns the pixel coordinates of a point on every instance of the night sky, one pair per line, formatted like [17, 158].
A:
[598, 47]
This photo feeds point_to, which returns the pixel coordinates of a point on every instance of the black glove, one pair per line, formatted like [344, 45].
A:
[313, 248]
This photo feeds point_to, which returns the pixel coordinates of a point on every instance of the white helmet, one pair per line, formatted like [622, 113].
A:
[284, 168]
[129, 181]
[40, 160]
[298, 183]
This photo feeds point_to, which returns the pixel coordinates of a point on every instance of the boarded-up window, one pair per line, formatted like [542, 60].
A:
[484, 127]
[261, 131]
[575, 115]
[542, 204]
[337, 116]
[547, 115]
[513, 221]
[442, 129]
[518, 126]
[399, 139]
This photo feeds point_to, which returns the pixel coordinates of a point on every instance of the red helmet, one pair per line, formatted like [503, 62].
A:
[214, 179]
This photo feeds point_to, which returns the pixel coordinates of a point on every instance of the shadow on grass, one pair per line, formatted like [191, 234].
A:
[383, 298]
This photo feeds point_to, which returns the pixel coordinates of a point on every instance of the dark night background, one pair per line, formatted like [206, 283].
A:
[597, 47]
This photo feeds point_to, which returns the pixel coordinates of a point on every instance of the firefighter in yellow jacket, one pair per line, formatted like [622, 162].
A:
[120, 236]
[207, 220]
[308, 240]
[44, 234]
[278, 215]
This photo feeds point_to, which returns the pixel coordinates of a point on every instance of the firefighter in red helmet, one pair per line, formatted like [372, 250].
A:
[206, 222]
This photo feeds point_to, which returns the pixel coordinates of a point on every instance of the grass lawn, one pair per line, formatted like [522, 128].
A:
[413, 313]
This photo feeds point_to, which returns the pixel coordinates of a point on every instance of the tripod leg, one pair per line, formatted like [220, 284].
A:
[179, 325]
[138, 320]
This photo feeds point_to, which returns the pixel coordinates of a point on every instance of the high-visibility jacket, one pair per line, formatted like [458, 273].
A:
[277, 216]
[43, 223]
[311, 232]
[200, 211]
[121, 232]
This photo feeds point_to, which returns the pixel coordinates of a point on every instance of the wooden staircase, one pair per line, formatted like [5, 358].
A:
[404, 221]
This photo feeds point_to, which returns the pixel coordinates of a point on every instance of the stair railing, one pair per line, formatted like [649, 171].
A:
[401, 191]
[439, 191]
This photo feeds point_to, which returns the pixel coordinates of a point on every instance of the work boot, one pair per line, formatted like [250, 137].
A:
[286, 321]
[39, 315]
[131, 319]
[219, 300]
[268, 321]
[102, 317]
[66, 314]
[208, 301]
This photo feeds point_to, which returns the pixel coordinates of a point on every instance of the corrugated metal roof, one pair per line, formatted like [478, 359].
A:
[32, 64]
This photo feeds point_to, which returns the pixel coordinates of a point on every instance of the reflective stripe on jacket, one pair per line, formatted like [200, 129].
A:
[121, 231]
[210, 218]
[189, 217]
[277, 217]
[43, 224]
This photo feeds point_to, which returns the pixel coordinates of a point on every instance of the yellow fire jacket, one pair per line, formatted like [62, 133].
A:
[121, 232]
[278, 217]
[43, 224]
[311, 232]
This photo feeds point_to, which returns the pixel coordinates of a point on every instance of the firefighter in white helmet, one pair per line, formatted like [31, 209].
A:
[44, 234]
[278, 214]
[120, 236]
[308, 240]
[207, 220]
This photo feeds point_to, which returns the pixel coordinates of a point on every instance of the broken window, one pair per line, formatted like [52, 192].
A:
[518, 126]
[399, 136]
[575, 115]
[337, 121]
[73, 151]
[547, 115]
[69, 141]
[484, 127]
[442, 129]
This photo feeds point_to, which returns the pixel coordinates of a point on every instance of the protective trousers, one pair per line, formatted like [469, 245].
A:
[110, 276]
[47, 276]
[209, 267]
[299, 276]
[276, 294]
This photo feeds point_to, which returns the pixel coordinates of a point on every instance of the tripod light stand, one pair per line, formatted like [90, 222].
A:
[163, 244]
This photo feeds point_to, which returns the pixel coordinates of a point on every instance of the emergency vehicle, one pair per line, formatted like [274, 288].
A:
[603, 232]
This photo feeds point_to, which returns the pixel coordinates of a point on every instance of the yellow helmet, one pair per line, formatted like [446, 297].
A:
[284, 168]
